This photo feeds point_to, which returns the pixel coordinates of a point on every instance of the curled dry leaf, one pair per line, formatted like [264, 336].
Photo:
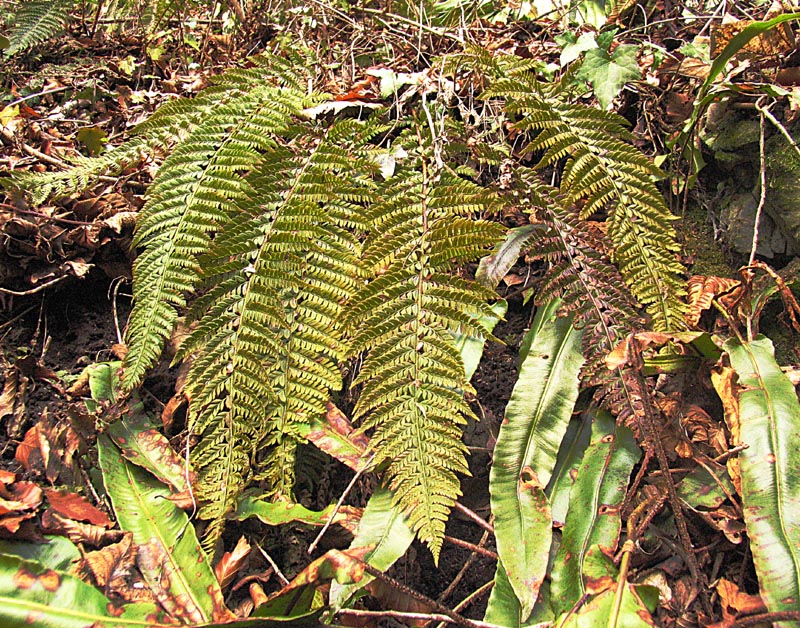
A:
[12, 400]
[230, 563]
[76, 531]
[18, 502]
[735, 602]
[703, 290]
[74, 506]
[49, 449]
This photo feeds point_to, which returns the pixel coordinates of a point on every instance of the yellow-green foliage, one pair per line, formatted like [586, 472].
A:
[600, 172]
[36, 21]
[294, 255]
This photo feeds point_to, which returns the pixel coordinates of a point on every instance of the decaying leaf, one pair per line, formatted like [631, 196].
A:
[18, 501]
[230, 563]
[703, 290]
[772, 43]
[77, 531]
[335, 436]
[74, 506]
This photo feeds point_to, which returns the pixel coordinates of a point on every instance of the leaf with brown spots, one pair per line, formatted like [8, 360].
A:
[142, 444]
[593, 518]
[169, 556]
[34, 595]
[769, 415]
[336, 437]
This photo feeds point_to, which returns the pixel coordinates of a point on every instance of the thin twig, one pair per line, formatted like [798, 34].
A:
[53, 161]
[763, 195]
[42, 93]
[339, 503]
[29, 212]
[766, 618]
[39, 288]
[477, 549]
[431, 603]
[471, 515]
[273, 564]
[354, 612]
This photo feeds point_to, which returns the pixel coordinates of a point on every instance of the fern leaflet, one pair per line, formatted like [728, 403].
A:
[601, 172]
[187, 201]
[269, 339]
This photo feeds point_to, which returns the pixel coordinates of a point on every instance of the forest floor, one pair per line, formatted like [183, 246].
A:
[65, 266]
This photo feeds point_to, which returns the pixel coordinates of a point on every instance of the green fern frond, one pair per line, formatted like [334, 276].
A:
[268, 339]
[602, 172]
[590, 285]
[35, 22]
[169, 124]
[413, 376]
[605, 172]
[189, 200]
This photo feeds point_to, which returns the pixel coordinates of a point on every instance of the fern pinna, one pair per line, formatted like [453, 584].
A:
[268, 340]
[36, 21]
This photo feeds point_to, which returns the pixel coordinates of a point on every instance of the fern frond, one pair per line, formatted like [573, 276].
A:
[170, 123]
[590, 285]
[603, 172]
[35, 22]
[188, 200]
[268, 339]
[413, 376]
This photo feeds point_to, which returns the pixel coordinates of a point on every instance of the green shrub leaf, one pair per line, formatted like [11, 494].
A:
[536, 420]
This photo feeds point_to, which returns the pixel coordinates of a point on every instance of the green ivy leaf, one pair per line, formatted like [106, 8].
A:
[608, 73]
[573, 47]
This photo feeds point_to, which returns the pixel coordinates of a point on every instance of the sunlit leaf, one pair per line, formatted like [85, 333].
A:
[769, 424]
[535, 421]
[383, 529]
[32, 595]
[168, 554]
[608, 72]
[145, 446]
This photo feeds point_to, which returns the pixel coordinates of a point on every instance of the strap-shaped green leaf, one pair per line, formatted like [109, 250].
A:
[769, 420]
[593, 516]
[633, 612]
[504, 608]
[536, 420]
[33, 595]
[169, 555]
[383, 526]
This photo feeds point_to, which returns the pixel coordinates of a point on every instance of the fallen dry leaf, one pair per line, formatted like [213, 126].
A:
[78, 532]
[77, 507]
[230, 563]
